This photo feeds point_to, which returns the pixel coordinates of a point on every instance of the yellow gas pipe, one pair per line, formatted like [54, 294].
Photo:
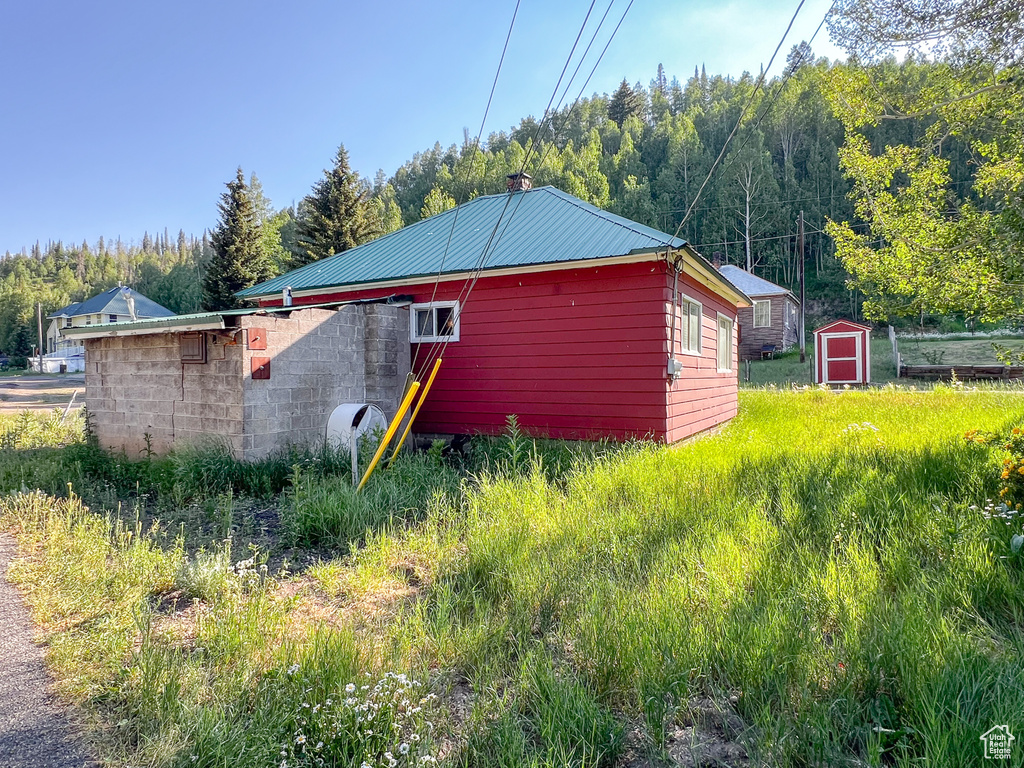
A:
[415, 412]
[392, 428]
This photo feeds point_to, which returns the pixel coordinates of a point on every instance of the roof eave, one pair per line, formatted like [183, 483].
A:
[643, 254]
[706, 274]
[112, 330]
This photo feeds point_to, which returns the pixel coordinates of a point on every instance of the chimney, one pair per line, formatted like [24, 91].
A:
[519, 182]
[716, 259]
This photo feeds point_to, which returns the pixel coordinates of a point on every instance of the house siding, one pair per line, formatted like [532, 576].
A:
[575, 354]
[702, 397]
[784, 331]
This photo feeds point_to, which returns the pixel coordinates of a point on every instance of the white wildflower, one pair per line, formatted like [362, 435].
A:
[403, 748]
[293, 669]
[350, 688]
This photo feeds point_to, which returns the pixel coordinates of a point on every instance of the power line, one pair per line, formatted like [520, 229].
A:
[472, 160]
[438, 347]
[739, 121]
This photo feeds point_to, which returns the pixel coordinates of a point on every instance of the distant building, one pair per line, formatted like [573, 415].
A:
[112, 306]
[772, 323]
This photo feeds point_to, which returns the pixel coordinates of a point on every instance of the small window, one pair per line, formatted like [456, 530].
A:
[67, 322]
[435, 322]
[113, 318]
[762, 313]
[690, 314]
[193, 347]
[724, 344]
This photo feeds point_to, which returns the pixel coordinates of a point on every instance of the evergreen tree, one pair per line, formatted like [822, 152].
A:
[625, 103]
[239, 259]
[335, 217]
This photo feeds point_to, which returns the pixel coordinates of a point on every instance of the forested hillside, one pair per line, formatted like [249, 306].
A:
[642, 152]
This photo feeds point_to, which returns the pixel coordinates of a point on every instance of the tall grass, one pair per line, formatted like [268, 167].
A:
[329, 512]
[819, 564]
[817, 574]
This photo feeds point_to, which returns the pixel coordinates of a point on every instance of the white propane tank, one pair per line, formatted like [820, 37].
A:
[348, 423]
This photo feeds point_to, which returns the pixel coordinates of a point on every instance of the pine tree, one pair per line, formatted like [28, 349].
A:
[625, 103]
[335, 217]
[239, 260]
[661, 81]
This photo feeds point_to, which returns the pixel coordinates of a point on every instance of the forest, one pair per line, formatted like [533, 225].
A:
[644, 152]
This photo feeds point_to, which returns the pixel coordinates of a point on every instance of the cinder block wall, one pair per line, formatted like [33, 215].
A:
[137, 385]
[320, 359]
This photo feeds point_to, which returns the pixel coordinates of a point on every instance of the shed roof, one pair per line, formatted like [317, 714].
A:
[199, 321]
[839, 323]
[538, 226]
[112, 302]
[751, 284]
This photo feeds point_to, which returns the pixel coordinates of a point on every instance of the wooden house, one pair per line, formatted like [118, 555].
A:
[579, 322]
[772, 323]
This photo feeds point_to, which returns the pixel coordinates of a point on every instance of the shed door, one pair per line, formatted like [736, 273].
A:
[843, 359]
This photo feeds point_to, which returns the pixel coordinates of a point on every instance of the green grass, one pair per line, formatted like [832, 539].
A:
[813, 585]
[964, 351]
[787, 370]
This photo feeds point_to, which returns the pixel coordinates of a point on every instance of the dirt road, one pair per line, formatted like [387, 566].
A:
[40, 393]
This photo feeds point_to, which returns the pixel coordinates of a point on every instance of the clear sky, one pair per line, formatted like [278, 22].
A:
[119, 116]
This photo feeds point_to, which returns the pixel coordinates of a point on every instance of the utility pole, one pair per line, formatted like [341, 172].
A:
[803, 285]
[39, 322]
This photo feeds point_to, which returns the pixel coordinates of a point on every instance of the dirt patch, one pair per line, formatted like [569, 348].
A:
[706, 733]
[41, 393]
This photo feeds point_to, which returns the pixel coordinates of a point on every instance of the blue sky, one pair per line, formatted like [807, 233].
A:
[120, 117]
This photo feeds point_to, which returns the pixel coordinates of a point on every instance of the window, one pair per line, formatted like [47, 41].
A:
[724, 344]
[113, 318]
[67, 322]
[193, 347]
[762, 313]
[689, 326]
[438, 321]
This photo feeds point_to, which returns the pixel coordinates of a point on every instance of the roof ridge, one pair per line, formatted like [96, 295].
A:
[603, 214]
[404, 228]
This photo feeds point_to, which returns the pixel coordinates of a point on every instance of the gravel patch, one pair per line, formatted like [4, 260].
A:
[34, 728]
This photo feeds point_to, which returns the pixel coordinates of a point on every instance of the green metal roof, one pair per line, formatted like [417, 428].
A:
[159, 324]
[539, 226]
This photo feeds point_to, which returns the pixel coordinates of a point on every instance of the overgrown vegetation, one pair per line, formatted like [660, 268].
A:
[823, 583]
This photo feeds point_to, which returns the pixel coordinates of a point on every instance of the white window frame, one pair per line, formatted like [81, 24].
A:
[762, 302]
[684, 311]
[415, 338]
[718, 341]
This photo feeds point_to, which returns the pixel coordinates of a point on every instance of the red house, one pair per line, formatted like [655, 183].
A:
[842, 352]
[581, 323]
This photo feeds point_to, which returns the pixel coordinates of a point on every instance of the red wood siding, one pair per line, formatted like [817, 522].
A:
[701, 397]
[839, 340]
[576, 353]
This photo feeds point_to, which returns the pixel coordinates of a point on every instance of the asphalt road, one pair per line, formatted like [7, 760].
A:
[34, 728]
